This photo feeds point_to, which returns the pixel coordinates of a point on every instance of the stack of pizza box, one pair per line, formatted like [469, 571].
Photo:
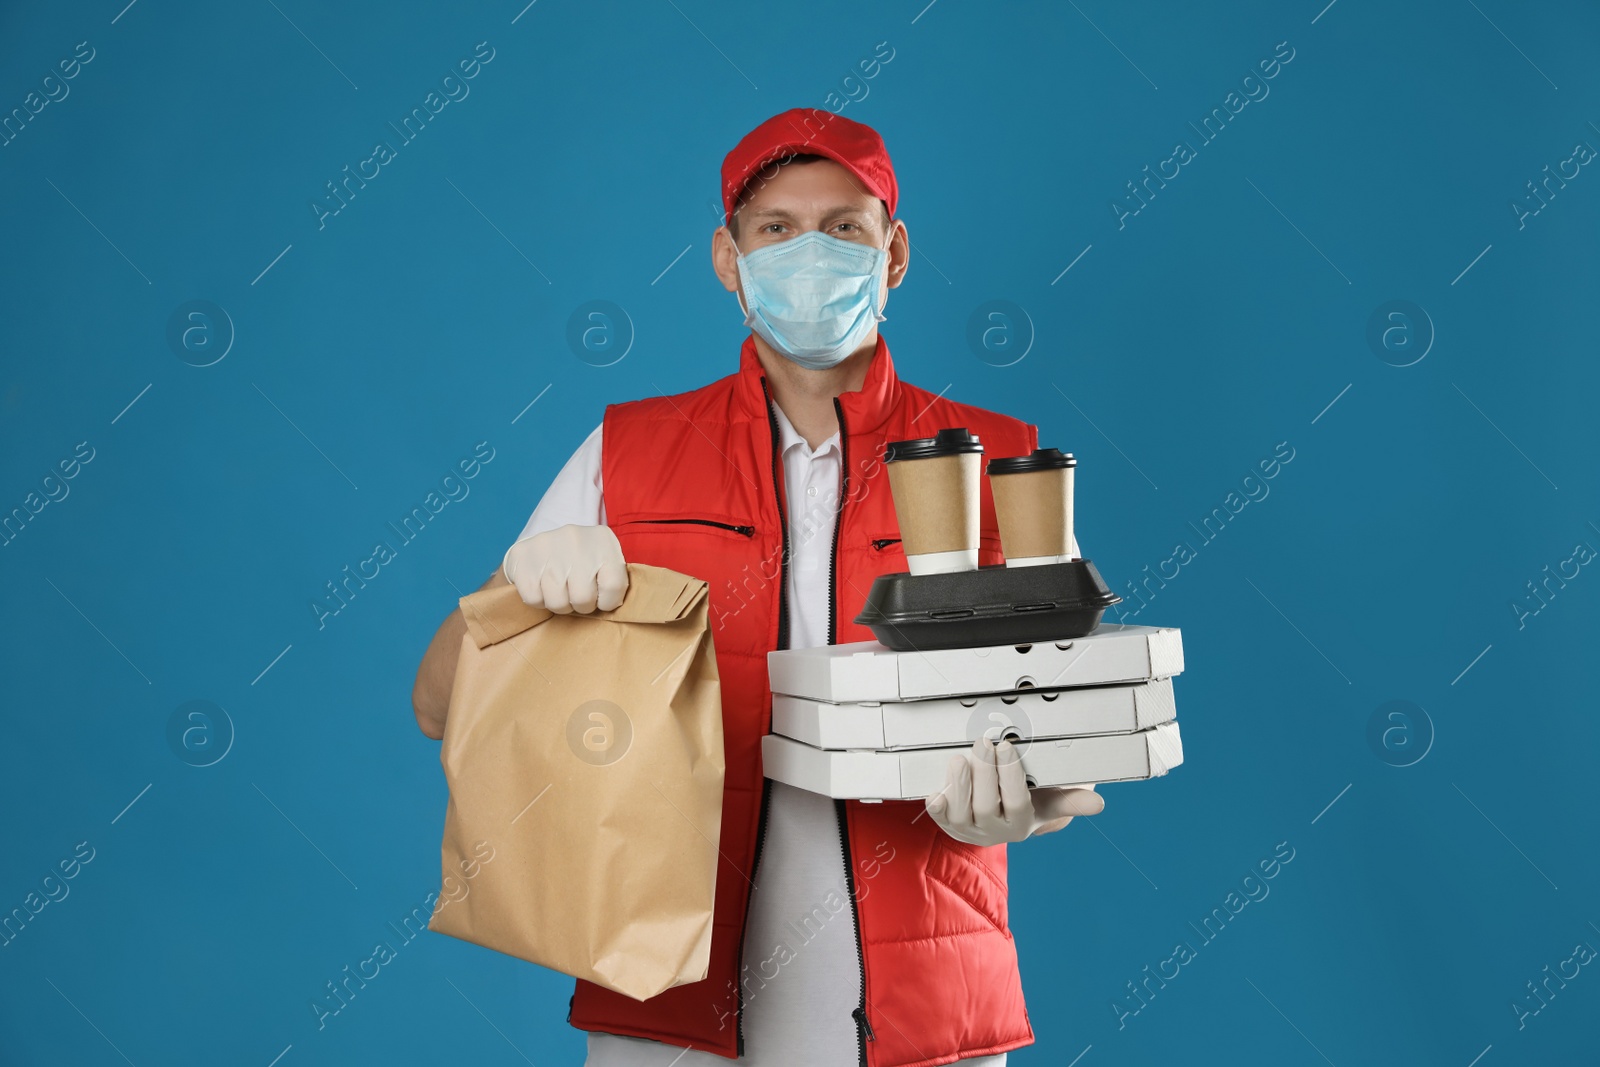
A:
[866, 722]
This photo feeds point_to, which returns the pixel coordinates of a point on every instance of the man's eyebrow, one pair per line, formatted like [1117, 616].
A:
[780, 213]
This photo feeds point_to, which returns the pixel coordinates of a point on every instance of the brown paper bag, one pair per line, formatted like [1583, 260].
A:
[586, 750]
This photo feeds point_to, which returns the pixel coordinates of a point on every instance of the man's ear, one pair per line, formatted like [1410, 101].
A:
[899, 253]
[725, 259]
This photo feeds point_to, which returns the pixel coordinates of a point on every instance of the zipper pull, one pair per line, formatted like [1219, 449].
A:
[880, 543]
[860, 1015]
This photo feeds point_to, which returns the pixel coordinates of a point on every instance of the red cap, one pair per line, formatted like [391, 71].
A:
[853, 145]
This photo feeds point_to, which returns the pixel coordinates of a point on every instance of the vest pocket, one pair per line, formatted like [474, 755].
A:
[742, 529]
[988, 546]
[954, 865]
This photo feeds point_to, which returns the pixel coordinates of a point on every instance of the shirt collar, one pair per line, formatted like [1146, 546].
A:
[789, 437]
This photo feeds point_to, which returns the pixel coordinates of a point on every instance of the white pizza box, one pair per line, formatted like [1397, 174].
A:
[1031, 713]
[866, 670]
[915, 773]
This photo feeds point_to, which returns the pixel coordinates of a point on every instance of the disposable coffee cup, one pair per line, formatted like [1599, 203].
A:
[1033, 505]
[935, 483]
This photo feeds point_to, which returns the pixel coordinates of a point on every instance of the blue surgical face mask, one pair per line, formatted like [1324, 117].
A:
[814, 298]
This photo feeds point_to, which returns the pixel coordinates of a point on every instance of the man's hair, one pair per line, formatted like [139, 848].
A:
[783, 161]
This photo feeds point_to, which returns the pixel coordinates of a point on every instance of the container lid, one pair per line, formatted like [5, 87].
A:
[994, 605]
[1040, 459]
[948, 442]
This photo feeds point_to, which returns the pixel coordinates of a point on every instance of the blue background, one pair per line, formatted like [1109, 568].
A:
[366, 357]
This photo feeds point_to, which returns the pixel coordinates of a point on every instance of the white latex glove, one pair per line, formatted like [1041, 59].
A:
[986, 799]
[571, 568]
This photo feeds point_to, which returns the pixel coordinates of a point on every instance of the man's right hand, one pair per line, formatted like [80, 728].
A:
[571, 568]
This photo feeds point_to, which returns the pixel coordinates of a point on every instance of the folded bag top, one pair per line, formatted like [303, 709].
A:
[655, 594]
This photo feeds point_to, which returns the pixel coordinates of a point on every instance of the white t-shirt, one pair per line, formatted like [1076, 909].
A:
[802, 1016]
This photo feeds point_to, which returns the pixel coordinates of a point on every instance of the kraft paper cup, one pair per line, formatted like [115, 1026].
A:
[935, 483]
[1033, 505]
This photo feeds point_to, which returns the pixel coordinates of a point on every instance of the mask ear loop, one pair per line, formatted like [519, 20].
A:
[882, 286]
[739, 270]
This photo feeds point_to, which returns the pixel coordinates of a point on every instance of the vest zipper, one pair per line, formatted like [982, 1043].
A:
[766, 783]
[838, 515]
[881, 543]
[748, 531]
[783, 522]
[863, 1026]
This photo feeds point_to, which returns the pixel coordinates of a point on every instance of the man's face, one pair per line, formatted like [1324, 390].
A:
[820, 195]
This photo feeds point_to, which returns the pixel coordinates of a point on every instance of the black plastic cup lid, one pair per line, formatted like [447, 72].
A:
[948, 442]
[1041, 459]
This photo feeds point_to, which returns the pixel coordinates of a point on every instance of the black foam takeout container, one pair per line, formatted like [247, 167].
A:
[989, 606]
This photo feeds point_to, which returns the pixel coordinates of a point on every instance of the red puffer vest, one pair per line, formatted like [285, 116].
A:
[694, 482]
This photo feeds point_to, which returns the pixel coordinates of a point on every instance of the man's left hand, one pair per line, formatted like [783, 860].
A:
[986, 799]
